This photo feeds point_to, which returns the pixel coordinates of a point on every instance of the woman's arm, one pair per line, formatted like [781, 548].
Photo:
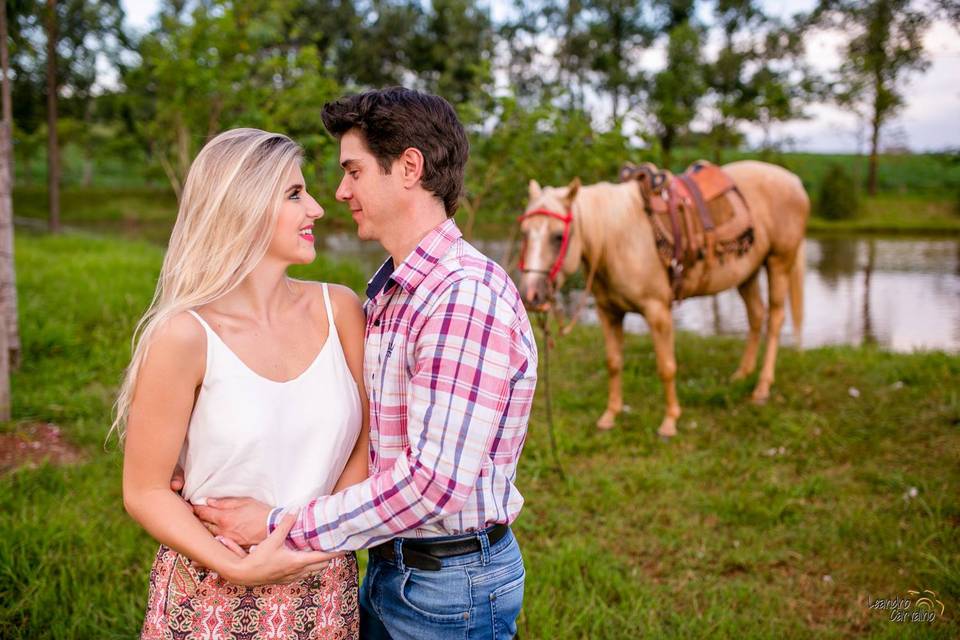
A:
[156, 428]
[348, 314]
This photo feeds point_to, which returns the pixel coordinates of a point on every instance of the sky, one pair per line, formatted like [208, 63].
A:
[930, 120]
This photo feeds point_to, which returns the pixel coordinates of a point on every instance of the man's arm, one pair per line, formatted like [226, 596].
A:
[459, 390]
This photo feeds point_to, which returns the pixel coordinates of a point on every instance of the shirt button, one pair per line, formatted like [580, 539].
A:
[376, 323]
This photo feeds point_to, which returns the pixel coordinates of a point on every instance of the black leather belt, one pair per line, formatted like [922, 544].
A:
[421, 553]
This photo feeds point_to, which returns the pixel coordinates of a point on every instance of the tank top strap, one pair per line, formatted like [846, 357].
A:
[203, 323]
[329, 305]
[212, 341]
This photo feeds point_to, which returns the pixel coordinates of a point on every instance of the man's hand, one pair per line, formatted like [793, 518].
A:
[273, 563]
[243, 520]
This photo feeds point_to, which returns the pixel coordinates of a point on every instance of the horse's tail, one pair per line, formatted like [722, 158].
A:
[796, 293]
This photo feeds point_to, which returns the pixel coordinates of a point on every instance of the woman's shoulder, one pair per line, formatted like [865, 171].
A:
[342, 298]
[180, 342]
[180, 332]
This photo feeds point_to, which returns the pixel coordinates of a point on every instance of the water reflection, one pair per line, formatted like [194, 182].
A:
[900, 294]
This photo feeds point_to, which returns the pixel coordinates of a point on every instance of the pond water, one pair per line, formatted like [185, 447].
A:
[899, 293]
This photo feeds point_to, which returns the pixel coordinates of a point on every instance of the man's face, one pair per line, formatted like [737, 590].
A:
[371, 195]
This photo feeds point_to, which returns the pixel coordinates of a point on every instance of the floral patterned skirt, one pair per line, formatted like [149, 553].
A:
[187, 602]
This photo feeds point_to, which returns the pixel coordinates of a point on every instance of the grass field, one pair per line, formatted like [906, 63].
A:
[779, 521]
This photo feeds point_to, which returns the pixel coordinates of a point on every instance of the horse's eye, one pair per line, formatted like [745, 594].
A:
[556, 238]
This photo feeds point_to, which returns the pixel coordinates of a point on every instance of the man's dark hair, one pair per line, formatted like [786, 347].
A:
[395, 119]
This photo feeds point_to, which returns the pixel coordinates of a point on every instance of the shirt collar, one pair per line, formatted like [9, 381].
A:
[379, 279]
[421, 261]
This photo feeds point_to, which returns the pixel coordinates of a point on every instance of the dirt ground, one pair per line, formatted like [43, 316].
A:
[32, 444]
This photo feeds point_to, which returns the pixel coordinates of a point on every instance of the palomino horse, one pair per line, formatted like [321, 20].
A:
[605, 227]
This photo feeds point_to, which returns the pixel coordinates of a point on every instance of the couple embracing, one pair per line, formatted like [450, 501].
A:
[308, 426]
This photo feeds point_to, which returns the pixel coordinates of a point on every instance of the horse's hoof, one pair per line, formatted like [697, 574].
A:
[664, 438]
[606, 422]
[760, 399]
[739, 375]
[668, 429]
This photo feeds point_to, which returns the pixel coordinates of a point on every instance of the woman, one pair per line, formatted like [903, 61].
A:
[251, 381]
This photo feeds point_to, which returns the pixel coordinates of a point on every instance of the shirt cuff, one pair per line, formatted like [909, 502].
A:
[273, 519]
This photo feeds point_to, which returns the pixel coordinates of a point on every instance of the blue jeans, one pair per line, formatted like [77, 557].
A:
[476, 596]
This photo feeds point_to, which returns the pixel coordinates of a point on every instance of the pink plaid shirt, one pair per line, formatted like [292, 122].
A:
[450, 366]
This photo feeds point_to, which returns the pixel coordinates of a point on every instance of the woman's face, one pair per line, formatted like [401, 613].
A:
[292, 239]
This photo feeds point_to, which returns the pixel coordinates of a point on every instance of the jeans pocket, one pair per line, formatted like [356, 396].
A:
[440, 596]
[505, 604]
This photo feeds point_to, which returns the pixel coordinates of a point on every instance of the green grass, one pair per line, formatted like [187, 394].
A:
[918, 193]
[710, 535]
[896, 213]
[705, 536]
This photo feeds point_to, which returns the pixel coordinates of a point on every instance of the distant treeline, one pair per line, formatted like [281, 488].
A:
[550, 89]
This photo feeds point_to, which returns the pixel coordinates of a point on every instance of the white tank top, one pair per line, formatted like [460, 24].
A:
[282, 443]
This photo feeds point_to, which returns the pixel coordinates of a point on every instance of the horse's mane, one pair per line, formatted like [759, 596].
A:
[606, 208]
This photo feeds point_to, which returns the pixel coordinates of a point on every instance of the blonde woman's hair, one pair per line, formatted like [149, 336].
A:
[227, 213]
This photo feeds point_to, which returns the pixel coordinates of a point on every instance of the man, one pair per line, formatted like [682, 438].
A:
[450, 370]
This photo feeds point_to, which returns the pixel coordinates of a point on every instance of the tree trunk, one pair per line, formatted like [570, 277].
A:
[88, 162]
[4, 373]
[53, 144]
[9, 357]
[874, 155]
[666, 148]
[6, 221]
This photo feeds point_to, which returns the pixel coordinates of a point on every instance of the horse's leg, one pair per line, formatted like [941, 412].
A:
[612, 324]
[661, 330]
[750, 292]
[778, 275]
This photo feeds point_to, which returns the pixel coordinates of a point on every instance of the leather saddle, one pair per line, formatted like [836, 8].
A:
[699, 215]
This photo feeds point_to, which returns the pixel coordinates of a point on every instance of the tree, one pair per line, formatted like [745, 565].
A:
[757, 76]
[59, 48]
[214, 65]
[605, 38]
[531, 72]
[9, 333]
[887, 46]
[677, 89]
[452, 55]
[53, 144]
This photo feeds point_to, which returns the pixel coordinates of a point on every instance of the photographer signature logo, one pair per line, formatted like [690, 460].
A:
[919, 606]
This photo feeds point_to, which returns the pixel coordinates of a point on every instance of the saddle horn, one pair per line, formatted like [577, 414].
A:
[647, 174]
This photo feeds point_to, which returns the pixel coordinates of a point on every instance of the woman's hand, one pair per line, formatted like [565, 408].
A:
[271, 562]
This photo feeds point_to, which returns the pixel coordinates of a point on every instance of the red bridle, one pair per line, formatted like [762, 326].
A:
[567, 220]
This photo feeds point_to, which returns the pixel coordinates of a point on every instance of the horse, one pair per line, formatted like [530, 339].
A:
[605, 228]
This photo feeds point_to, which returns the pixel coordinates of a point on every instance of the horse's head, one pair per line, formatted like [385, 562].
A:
[551, 249]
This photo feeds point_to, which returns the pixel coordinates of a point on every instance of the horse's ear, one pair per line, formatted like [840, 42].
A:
[534, 189]
[572, 189]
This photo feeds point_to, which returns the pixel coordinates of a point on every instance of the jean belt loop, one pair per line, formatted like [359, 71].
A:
[484, 547]
[398, 553]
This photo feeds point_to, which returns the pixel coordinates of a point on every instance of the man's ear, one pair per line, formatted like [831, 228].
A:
[411, 165]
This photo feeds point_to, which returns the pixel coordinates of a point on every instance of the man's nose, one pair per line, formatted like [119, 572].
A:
[343, 192]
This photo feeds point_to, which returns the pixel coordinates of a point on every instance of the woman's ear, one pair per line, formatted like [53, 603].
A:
[411, 164]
